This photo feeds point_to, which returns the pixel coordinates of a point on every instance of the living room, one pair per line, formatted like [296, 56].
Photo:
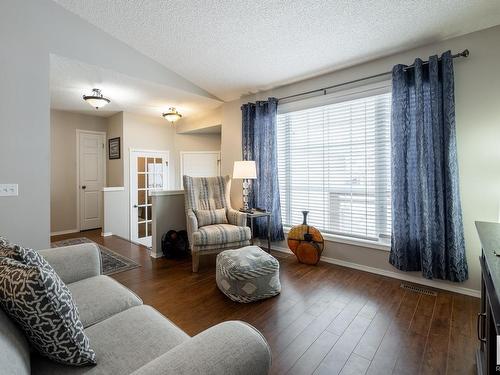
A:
[213, 126]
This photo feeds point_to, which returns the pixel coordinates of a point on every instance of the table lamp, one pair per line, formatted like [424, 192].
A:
[245, 170]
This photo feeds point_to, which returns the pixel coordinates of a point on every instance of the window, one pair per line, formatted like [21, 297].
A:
[334, 161]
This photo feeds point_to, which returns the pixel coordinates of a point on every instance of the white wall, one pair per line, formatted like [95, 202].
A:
[63, 191]
[30, 30]
[477, 93]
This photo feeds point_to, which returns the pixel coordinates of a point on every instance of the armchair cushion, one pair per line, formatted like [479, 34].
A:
[210, 217]
[220, 234]
[236, 217]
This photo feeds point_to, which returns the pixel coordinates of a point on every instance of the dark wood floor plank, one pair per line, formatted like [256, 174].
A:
[436, 349]
[314, 354]
[460, 351]
[285, 360]
[355, 365]
[387, 353]
[413, 343]
[341, 351]
[390, 301]
[328, 319]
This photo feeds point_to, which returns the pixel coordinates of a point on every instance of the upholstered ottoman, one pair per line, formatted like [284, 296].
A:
[248, 274]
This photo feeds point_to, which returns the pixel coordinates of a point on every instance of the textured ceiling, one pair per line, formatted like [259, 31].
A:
[231, 48]
[70, 80]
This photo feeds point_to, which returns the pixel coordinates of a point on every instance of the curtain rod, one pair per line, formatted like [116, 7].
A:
[464, 53]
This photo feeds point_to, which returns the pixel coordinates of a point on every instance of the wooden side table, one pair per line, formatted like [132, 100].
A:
[256, 214]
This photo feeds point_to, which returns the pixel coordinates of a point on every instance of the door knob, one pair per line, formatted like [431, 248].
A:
[135, 206]
[84, 187]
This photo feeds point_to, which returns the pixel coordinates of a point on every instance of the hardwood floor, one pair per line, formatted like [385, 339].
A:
[327, 320]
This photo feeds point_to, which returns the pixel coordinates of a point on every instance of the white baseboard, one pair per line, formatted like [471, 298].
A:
[106, 234]
[394, 275]
[64, 232]
[154, 255]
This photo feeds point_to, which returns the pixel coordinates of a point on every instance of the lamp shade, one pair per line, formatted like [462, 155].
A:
[245, 170]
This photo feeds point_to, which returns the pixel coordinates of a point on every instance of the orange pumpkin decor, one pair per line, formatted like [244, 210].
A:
[306, 242]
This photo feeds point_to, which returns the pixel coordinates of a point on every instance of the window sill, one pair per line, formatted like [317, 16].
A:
[376, 245]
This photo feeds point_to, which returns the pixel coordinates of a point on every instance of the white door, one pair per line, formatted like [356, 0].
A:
[200, 164]
[149, 171]
[91, 177]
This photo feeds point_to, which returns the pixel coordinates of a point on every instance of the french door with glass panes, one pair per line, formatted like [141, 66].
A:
[148, 172]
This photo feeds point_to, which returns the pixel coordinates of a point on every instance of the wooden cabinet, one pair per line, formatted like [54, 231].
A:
[488, 320]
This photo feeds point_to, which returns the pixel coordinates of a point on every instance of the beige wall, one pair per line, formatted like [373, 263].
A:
[199, 121]
[114, 168]
[146, 133]
[477, 93]
[63, 192]
[151, 133]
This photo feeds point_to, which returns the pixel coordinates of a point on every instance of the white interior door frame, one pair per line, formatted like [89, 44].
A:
[181, 157]
[133, 177]
[78, 133]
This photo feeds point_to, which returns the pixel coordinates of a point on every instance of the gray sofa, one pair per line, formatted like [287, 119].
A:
[129, 337]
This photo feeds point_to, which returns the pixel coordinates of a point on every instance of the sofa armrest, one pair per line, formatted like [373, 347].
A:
[231, 347]
[236, 217]
[75, 262]
[192, 226]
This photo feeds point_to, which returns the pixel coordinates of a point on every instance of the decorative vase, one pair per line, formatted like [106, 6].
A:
[306, 242]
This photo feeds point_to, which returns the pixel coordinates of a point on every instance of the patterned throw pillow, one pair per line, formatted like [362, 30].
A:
[210, 217]
[39, 301]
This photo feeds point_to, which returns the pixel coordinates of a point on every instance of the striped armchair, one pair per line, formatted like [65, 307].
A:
[205, 197]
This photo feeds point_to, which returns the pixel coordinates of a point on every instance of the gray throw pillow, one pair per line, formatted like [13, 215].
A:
[39, 301]
[210, 217]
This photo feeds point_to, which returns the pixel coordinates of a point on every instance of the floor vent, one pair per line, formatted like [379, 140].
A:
[418, 289]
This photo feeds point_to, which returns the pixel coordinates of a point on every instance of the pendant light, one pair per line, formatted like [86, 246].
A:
[172, 115]
[96, 99]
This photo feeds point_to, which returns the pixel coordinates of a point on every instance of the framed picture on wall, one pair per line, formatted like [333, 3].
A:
[114, 148]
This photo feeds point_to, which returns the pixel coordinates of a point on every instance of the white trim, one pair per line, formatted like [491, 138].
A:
[133, 177]
[375, 245]
[181, 167]
[104, 161]
[106, 234]
[394, 275]
[68, 231]
[153, 254]
[113, 188]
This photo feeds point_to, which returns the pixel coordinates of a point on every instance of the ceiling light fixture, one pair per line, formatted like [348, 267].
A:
[96, 100]
[172, 115]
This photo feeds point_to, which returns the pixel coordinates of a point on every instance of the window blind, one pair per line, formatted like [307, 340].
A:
[334, 161]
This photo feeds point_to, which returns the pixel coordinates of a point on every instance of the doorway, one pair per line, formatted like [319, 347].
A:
[149, 171]
[91, 177]
[199, 164]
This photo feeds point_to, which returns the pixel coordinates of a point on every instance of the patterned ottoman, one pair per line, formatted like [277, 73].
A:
[248, 274]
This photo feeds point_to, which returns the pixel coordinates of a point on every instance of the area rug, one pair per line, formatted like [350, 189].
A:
[111, 262]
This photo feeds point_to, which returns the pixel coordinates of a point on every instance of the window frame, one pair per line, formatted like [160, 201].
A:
[338, 96]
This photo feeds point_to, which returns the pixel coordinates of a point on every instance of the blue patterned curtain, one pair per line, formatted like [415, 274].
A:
[427, 229]
[259, 144]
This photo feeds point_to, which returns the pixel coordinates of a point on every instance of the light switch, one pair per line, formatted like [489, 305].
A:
[8, 190]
